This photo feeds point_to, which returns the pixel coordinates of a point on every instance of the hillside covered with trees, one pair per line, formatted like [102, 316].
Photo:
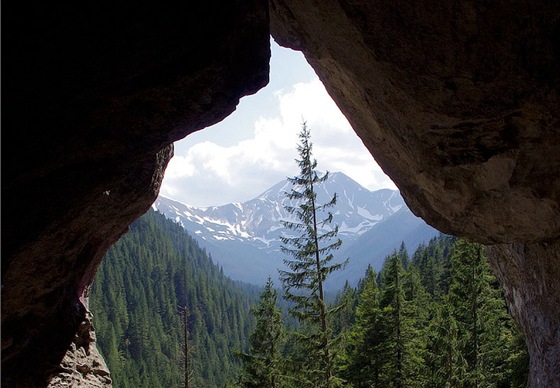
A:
[146, 278]
[435, 318]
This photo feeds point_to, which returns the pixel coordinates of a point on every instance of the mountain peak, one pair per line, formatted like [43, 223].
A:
[260, 218]
[250, 231]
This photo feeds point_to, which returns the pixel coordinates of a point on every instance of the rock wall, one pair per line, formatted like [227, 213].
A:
[93, 99]
[529, 274]
[82, 365]
[458, 102]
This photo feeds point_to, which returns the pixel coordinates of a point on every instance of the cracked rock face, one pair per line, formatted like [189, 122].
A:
[457, 101]
[83, 365]
[529, 274]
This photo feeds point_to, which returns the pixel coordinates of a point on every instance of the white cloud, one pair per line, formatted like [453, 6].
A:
[212, 174]
[310, 101]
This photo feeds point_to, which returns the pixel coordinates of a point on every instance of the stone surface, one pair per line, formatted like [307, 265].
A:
[93, 100]
[83, 365]
[458, 102]
[530, 274]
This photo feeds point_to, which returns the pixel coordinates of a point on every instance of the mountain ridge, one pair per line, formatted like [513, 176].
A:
[244, 237]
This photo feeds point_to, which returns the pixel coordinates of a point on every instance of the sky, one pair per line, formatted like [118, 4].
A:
[254, 148]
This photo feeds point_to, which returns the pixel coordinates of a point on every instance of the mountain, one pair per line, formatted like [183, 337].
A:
[244, 238]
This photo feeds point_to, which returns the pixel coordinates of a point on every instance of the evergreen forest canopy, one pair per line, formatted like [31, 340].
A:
[436, 319]
[433, 319]
[146, 278]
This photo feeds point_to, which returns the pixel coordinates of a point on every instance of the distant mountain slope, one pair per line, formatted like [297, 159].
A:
[374, 245]
[144, 279]
[258, 221]
[244, 238]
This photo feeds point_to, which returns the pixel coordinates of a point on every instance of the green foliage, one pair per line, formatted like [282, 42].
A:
[436, 320]
[146, 277]
[262, 364]
[365, 350]
[310, 266]
[443, 357]
[401, 335]
[484, 329]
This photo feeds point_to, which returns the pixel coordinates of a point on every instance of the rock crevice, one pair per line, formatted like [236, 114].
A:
[83, 365]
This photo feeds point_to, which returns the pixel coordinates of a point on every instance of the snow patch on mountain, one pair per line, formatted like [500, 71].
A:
[234, 232]
[259, 221]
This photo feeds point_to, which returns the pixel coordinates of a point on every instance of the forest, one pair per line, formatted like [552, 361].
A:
[145, 281]
[436, 318]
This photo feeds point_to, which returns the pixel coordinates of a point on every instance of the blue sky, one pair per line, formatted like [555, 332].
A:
[255, 147]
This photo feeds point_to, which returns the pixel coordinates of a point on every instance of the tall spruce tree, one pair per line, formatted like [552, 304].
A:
[366, 350]
[311, 264]
[443, 357]
[484, 331]
[403, 343]
[262, 365]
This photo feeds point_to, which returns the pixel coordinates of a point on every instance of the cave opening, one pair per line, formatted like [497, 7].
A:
[254, 147]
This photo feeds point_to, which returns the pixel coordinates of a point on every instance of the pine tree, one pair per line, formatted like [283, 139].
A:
[261, 366]
[403, 344]
[403, 254]
[484, 330]
[312, 254]
[443, 358]
[366, 356]
[344, 319]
